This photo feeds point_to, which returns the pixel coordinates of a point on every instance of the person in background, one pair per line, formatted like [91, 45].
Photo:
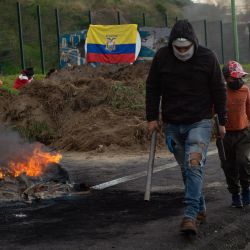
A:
[237, 139]
[1, 83]
[24, 78]
[187, 78]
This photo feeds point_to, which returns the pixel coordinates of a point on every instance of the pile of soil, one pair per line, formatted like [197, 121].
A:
[83, 108]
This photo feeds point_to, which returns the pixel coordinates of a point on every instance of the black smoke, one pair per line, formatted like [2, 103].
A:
[13, 147]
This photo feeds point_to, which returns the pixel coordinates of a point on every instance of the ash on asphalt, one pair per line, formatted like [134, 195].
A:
[119, 219]
[65, 217]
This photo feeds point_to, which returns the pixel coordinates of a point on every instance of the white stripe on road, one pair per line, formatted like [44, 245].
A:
[140, 174]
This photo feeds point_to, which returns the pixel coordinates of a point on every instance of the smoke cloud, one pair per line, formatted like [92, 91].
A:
[221, 2]
[13, 147]
[214, 2]
[213, 10]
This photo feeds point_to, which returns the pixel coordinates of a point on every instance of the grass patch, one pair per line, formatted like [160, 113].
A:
[10, 90]
[8, 82]
[36, 131]
[126, 97]
[246, 67]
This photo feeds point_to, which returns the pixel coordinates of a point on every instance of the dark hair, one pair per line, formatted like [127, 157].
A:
[29, 72]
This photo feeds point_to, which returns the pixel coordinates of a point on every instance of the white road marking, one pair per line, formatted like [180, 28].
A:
[181, 187]
[140, 174]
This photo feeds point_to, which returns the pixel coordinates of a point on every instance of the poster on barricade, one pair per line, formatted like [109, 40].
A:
[72, 50]
[112, 43]
[152, 39]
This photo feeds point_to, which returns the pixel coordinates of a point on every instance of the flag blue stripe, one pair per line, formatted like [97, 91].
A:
[118, 49]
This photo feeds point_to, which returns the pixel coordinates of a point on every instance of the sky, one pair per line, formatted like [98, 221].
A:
[221, 2]
[219, 9]
[241, 5]
[204, 1]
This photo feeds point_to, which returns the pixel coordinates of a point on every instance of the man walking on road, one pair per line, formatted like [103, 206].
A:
[187, 78]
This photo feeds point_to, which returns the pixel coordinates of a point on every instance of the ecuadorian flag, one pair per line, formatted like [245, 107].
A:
[111, 43]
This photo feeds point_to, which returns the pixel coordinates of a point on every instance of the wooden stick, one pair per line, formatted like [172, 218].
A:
[150, 165]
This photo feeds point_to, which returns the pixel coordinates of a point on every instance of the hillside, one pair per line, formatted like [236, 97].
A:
[73, 16]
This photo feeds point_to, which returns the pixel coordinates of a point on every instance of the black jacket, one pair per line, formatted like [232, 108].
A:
[189, 89]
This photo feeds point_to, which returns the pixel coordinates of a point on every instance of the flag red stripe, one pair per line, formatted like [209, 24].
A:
[110, 58]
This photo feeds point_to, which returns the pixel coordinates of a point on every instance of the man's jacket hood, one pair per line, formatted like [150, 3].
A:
[183, 29]
[188, 90]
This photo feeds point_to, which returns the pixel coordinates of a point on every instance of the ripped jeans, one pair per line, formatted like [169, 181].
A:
[190, 145]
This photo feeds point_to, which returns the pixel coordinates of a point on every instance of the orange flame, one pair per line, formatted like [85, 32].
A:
[1, 175]
[34, 165]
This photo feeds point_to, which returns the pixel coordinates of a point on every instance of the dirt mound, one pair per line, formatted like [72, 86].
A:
[82, 108]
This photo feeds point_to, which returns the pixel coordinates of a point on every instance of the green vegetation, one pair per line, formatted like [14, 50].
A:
[247, 68]
[73, 17]
[8, 81]
[127, 97]
[37, 131]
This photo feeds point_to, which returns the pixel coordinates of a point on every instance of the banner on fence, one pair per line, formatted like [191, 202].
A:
[72, 50]
[112, 43]
[74, 46]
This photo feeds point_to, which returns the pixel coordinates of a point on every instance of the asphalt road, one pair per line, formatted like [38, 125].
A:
[114, 215]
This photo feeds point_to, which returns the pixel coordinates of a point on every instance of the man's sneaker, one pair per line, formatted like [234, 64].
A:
[236, 201]
[201, 217]
[246, 197]
[188, 226]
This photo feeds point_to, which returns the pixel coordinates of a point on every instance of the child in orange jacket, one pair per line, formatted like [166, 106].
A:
[237, 139]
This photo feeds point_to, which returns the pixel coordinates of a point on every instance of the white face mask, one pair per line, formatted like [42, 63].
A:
[184, 56]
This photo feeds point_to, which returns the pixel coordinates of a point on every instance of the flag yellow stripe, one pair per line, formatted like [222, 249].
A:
[121, 34]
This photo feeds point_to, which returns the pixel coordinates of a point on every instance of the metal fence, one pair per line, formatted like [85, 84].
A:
[218, 36]
[34, 39]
